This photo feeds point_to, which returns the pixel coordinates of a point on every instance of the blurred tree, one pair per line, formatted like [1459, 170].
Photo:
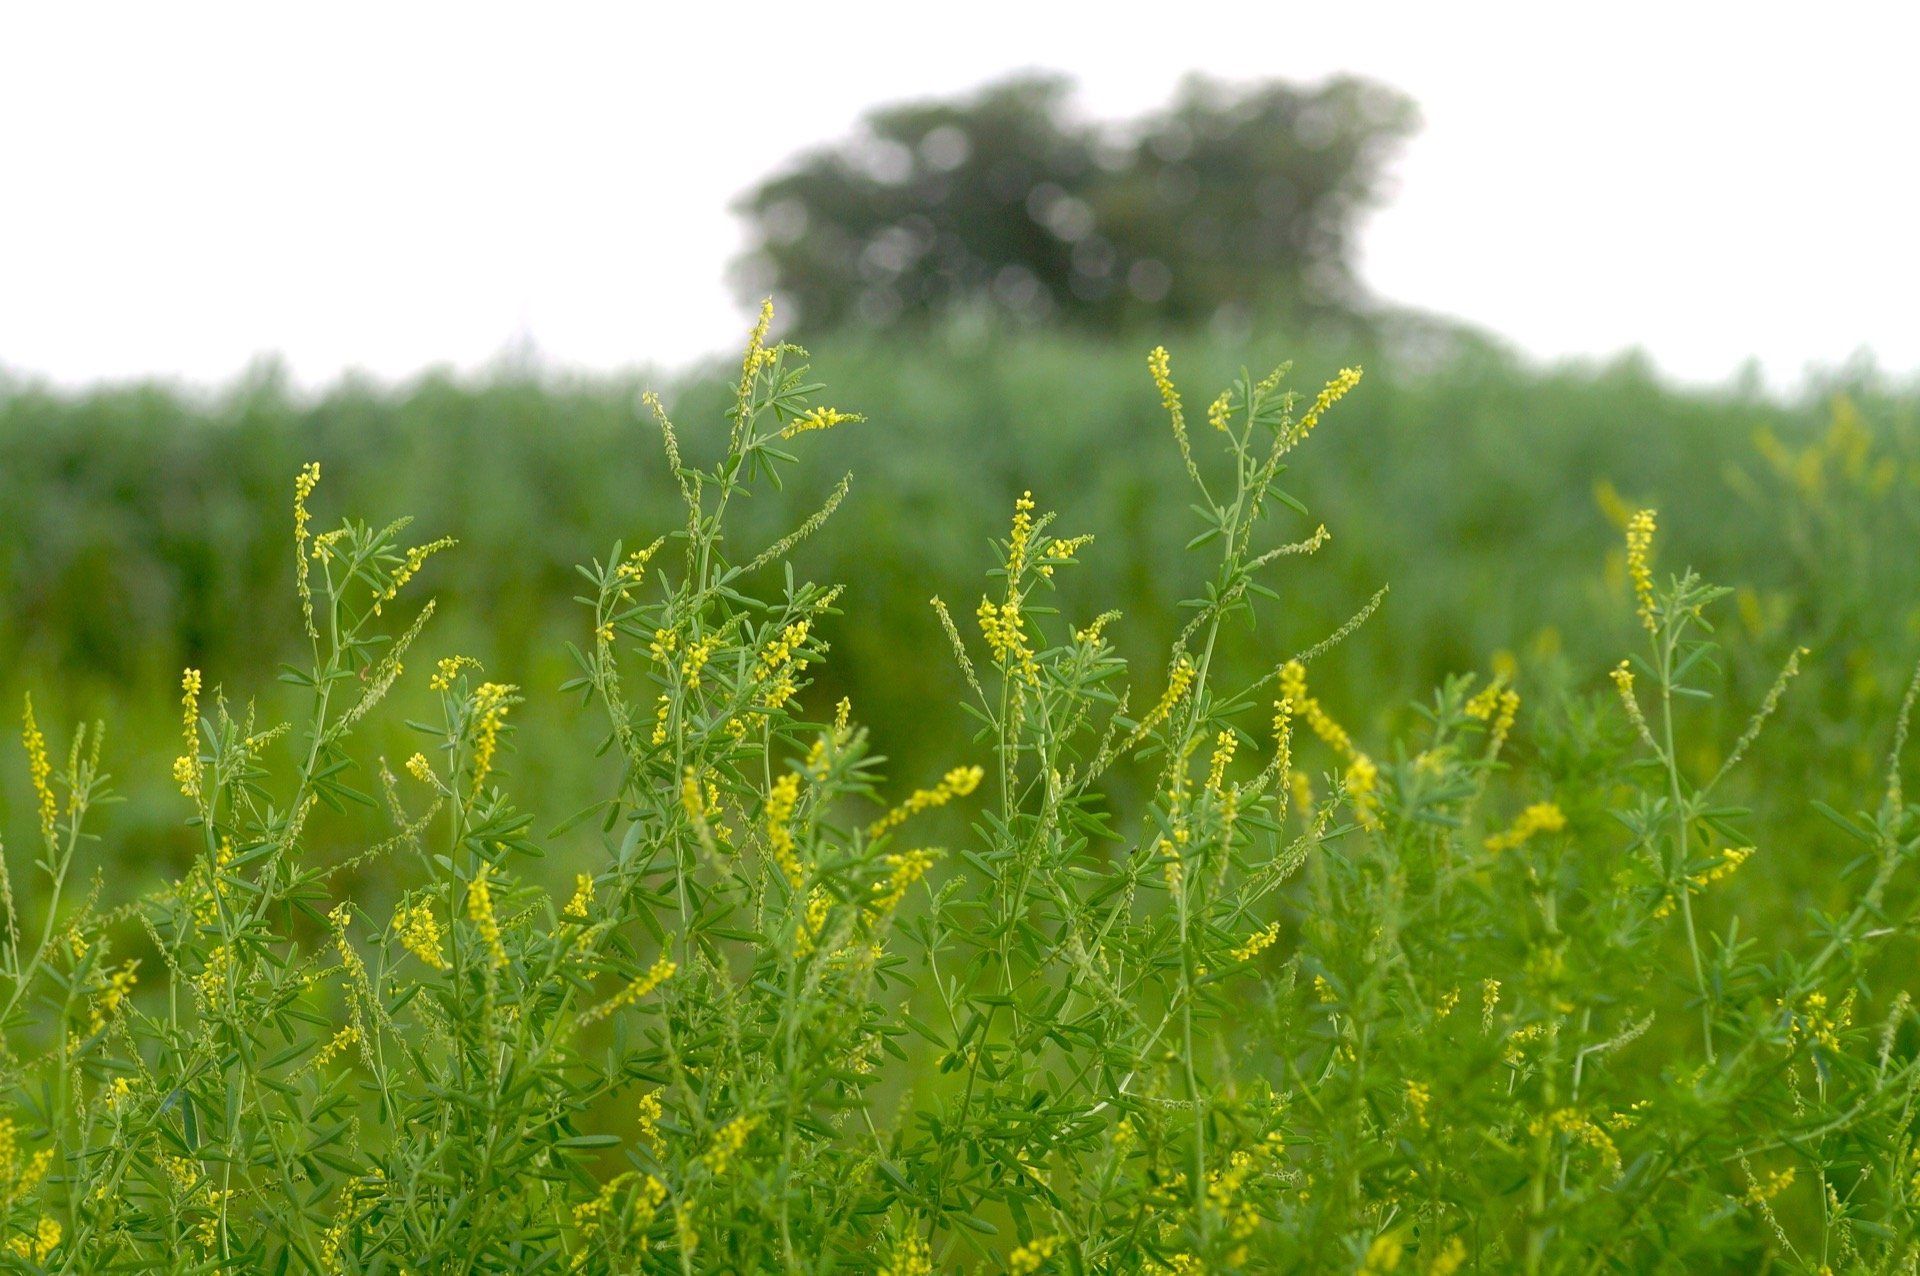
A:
[1229, 202]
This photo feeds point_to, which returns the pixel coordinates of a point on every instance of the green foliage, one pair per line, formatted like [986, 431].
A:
[1229, 203]
[1206, 982]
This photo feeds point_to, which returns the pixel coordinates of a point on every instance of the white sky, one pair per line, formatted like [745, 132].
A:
[390, 186]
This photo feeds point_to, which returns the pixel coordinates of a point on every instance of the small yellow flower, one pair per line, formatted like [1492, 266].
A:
[419, 768]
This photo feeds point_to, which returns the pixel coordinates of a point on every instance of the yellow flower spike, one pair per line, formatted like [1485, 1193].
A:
[1776, 1182]
[1419, 1097]
[819, 419]
[1363, 779]
[303, 484]
[1258, 942]
[727, 1142]
[409, 568]
[480, 913]
[958, 782]
[647, 1113]
[1640, 531]
[186, 767]
[119, 984]
[490, 705]
[1224, 744]
[1178, 683]
[907, 869]
[782, 800]
[40, 770]
[419, 768]
[1330, 394]
[1541, 817]
[662, 970]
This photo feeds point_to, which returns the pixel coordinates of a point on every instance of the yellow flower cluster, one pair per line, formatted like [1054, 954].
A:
[1451, 1258]
[781, 663]
[1730, 861]
[448, 668]
[1006, 635]
[1178, 682]
[1330, 394]
[1363, 775]
[657, 974]
[818, 419]
[593, 1216]
[1258, 942]
[212, 979]
[727, 1142]
[411, 568]
[1541, 817]
[782, 800]
[698, 653]
[186, 767]
[480, 913]
[419, 768]
[490, 705]
[108, 1003]
[1218, 409]
[1160, 364]
[911, 1257]
[958, 782]
[647, 1114]
[1639, 545]
[582, 897]
[419, 932]
[1033, 1255]
[1383, 1255]
[1581, 1130]
[45, 1239]
[40, 769]
[1497, 704]
[1419, 1098]
[1224, 744]
[1776, 1182]
[813, 918]
[906, 869]
[1819, 1025]
[342, 1039]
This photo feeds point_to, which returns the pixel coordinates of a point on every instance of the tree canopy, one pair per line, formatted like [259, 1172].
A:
[1232, 199]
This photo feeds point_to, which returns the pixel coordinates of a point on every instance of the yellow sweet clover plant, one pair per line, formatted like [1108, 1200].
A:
[1154, 983]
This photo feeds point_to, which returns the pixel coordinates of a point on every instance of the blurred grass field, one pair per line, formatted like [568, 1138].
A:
[146, 530]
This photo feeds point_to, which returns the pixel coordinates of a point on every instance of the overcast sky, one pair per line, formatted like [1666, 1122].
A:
[390, 186]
